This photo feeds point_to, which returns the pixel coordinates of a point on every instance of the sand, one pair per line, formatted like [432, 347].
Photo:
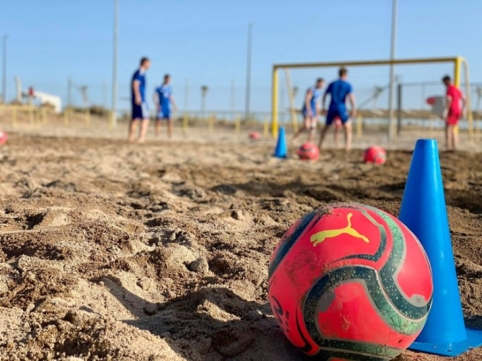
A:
[160, 251]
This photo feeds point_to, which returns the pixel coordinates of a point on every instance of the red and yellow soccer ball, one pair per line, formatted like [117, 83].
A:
[338, 123]
[375, 154]
[308, 151]
[350, 282]
[3, 137]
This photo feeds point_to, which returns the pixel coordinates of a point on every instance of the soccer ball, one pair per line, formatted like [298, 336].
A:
[3, 137]
[308, 151]
[375, 154]
[338, 123]
[350, 282]
[254, 135]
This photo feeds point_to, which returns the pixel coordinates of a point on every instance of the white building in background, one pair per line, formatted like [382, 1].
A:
[44, 98]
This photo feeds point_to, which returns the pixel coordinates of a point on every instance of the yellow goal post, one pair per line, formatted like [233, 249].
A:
[457, 61]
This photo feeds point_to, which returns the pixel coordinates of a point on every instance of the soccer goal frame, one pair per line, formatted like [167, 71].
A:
[457, 61]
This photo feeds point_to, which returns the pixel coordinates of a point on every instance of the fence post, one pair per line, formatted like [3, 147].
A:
[31, 115]
[266, 127]
[14, 116]
[87, 117]
[359, 126]
[237, 124]
[66, 116]
[185, 122]
[477, 130]
[37, 117]
[399, 108]
[211, 122]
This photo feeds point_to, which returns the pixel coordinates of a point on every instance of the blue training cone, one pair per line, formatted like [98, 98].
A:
[281, 150]
[423, 212]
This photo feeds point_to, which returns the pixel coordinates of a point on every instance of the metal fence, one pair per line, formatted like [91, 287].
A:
[222, 106]
[231, 97]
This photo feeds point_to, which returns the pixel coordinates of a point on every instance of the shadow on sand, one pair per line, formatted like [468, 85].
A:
[210, 324]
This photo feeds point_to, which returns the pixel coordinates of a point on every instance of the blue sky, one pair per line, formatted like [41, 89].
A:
[204, 42]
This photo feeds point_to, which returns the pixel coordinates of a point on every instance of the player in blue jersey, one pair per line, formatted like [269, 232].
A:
[310, 110]
[140, 111]
[339, 91]
[164, 102]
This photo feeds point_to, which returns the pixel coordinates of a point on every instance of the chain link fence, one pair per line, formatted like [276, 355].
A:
[88, 105]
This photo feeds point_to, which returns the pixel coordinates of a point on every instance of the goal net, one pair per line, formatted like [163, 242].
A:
[417, 93]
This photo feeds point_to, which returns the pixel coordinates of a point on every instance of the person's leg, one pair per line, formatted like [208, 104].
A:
[135, 119]
[337, 134]
[169, 128]
[312, 130]
[158, 127]
[452, 137]
[447, 136]
[456, 135]
[346, 122]
[330, 117]
[323, 132]
[143, 132]
[133, 129]
[306, 122]
[144, 123]
[166, 115]
[348, 135]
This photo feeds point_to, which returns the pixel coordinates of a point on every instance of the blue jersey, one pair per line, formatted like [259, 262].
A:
[338, 91]
[315, 95]
[164, 93]
[140, 76]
